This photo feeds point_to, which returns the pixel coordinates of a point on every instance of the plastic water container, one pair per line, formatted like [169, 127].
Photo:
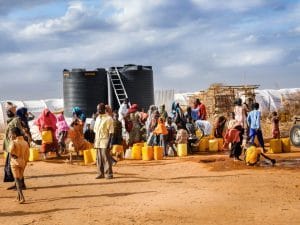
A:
[182, 150]
[275, 146]
[117, 148]
[94, 154]
[213, 145]
[286, 144]
[136, 152]
[158, 153]
[220, 143]
[47, 137]
[203, 145]
[128, 153]
[4, 155]
[34, 154]
[147, 153]
[138, 144]
[87, 157]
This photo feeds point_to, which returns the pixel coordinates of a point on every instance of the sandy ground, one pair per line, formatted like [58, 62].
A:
[199, 189]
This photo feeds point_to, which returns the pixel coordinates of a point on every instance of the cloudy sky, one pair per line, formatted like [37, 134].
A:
[189, 43]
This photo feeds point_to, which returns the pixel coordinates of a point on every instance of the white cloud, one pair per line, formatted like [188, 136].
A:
[178, 71]
[234, 5]
[73, 17]
[248, 58]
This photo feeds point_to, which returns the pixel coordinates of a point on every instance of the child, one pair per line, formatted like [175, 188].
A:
[19, 150]
[252, 156]
[182, 135]
[117, 138]
[190, 127]
[170, 138]
[275, 125]
[61, 132]
[161, 131]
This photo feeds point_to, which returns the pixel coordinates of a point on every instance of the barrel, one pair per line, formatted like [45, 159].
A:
[84, 89]
[286, 144]
[182, 150]
[158, 153]
[147, 153]
[213, 145]
[275, 146]
[136, 152]
[138, 82]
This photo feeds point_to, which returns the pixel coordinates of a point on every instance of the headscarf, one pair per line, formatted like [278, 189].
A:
[133, 108]
[10, 109]
[61, 123]
[46, 120]
[79, 113]
[22, 114]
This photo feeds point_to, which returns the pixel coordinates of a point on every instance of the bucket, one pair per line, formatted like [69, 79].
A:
[136, 152]
[203, 145]
[275, 146]
[147, 153]
[138, 144]
[182, 150]
[286, 144]
[220, 143]
[213, 145]
[34, 154]
[117, 148]
[94, 154]
[158, 153]
[128, 153]
[87, 156]
[4, 155]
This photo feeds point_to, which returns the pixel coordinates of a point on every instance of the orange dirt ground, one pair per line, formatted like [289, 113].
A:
[199, 189]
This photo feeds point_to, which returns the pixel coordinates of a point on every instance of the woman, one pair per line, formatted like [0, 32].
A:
[46, 122]
[25, 117]
[134, 118]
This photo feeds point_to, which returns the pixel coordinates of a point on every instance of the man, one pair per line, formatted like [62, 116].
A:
[19, 150]
[123, 110]
[104, 130]
[202, 109]
[253, 121]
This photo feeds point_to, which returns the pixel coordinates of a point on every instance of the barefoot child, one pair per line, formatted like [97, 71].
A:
[19, 151]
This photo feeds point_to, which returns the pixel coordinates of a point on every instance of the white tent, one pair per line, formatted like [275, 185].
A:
[33, 106]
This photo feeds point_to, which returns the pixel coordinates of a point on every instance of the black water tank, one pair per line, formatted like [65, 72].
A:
[138, 82]
[84, 89]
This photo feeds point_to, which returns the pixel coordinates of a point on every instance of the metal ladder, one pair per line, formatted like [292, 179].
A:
[117, 85]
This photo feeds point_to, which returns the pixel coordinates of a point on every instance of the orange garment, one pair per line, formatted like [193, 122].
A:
[232, 136]
[202, 112]
[19, 150]
[160, 128]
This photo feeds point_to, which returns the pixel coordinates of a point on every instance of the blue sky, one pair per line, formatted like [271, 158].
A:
[190, 43]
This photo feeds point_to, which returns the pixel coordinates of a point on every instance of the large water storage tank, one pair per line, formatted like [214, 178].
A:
[138, 82]
[84, 89]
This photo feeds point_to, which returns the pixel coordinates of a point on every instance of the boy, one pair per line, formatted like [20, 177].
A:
[19, 151]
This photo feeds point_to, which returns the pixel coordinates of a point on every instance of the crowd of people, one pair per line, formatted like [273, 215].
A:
[127, 126]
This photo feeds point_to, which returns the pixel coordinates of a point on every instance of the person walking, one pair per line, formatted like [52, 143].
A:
[19, 150]
[253, 121]
[12, 122]
[104, 130]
